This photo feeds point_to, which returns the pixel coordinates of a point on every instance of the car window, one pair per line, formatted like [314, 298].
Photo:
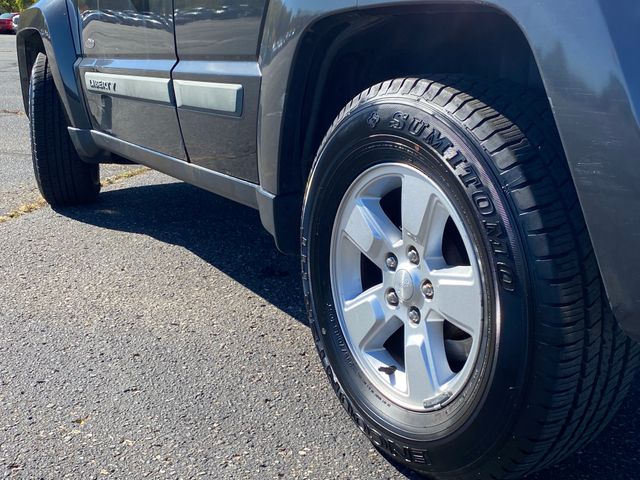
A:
[6, 15]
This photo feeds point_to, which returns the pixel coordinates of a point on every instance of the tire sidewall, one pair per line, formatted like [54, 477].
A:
[449, 438]
[63, 178]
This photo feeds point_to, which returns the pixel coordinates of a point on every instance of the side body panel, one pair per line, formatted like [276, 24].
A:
[593, 89]
[217, 82]
[129, 52]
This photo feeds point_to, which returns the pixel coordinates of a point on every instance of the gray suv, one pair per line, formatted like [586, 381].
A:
[459, 179]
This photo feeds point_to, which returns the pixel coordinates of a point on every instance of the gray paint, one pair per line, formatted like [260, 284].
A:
[204, 32]
[220, 45]
[280, 40]
[118, 40]
[229, 187]
[111, 27]
[234, 148]
[50, 20]
[122, 116]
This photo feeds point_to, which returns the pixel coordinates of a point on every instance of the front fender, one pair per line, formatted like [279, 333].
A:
[52, 26]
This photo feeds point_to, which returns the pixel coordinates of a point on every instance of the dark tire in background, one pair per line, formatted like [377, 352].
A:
[62, 177]
[545, 364]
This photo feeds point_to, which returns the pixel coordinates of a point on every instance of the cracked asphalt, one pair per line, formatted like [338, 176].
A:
[159, 334]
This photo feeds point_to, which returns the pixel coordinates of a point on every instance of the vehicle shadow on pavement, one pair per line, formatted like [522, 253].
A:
[231, 238]
[223, 233]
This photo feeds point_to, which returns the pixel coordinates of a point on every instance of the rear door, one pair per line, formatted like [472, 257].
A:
[129, 52]
[217, 82]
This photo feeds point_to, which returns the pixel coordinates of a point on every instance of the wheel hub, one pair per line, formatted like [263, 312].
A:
[403, 284]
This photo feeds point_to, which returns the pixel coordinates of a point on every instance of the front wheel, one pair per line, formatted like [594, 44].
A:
[452, 290]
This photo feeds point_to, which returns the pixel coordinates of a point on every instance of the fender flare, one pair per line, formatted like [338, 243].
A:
[52, 26]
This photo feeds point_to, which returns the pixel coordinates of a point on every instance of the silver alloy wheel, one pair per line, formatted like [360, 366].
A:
[412, 318]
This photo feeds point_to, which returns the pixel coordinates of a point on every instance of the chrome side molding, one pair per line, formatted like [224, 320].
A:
[225, 98]
[217, 97]
[142, 88]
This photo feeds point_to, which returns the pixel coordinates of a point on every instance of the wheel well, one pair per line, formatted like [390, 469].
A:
[342, 55]
[29, 45]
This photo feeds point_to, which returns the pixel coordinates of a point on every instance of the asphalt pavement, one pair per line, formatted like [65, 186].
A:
[159, 334]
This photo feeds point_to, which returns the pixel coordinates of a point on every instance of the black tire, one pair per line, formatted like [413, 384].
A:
[62, 177]
[555, 365]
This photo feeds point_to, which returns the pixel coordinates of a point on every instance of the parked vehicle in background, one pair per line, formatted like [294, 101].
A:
[460, 180]
[15, 20]
[6, 23]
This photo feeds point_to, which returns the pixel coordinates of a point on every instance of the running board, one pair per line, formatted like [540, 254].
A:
[90, 142]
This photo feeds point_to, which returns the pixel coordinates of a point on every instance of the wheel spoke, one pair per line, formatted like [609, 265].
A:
[458, 298]
[371, 231]
[421, 373]
[423, 215]
[368, 320]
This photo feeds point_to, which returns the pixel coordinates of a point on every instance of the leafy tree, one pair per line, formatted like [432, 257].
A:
[14, 5]
[22, 4]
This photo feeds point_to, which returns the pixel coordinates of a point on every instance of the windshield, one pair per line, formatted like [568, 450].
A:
[6, 15]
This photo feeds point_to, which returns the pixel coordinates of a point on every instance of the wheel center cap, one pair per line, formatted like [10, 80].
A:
[403, 285]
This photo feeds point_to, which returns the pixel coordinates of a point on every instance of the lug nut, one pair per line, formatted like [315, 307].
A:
[413, 255]
[392, 261]
[392, 298]
[414, 315]
[427, 289]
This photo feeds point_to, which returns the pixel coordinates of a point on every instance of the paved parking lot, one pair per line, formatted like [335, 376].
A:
[160, 334]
